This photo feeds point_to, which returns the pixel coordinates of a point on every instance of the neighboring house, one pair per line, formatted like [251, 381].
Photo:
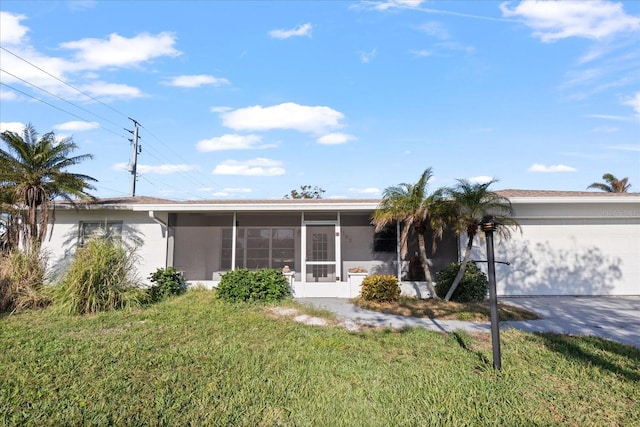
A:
[572, 243]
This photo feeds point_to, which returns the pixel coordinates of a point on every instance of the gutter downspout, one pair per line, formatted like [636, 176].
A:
[153, 216]
[165, 235]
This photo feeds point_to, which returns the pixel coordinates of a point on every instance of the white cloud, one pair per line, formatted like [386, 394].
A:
[15, 127]
[423, 53]
[197, 80]
[435, 29]
[76, 126]
[119, 51]
[605, 129]
[254, 167]
[300, 30]
[368, 190]
[225, 192]
[397, 4]
[88, 56]
[634, 102]
[82, 4]
[452, 45]
[335, 138]
[220, 109]
[111, 90]
[237, 190]
[607, 117]
[229, 142]
[625, 147]
[8, 95]
[12, 32]
[556, 20]
[289, 115]
[482, 179]
[366, 57]
[537, 167]
[159, 169]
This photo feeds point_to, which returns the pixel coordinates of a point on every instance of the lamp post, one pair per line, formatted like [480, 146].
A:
[489, 225]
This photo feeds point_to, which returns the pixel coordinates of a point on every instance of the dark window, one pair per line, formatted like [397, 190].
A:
[386, 239]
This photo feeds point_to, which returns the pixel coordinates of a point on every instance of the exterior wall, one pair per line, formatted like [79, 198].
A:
[137, 227]
[568, 246]
[593, 250]
[357, 247]
[572, 257]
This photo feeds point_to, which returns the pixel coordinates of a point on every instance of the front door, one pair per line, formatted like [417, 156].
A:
[321, 256]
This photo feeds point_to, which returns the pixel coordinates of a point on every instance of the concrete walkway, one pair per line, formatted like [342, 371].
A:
[614, 318]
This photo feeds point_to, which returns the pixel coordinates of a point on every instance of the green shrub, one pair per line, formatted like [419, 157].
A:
[261, 285]
[473, 286]
[168, 281]
[100, 278]
[22, 280]
[380, 288]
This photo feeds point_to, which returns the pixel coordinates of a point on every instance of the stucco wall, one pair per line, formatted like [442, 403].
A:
[137, 226]
[595, 251]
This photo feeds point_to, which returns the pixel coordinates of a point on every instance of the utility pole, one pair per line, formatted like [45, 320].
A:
[133, 166]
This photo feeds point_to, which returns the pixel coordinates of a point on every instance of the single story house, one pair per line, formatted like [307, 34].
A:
[571, 243]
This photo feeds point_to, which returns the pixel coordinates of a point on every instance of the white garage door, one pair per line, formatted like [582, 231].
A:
[571, 257]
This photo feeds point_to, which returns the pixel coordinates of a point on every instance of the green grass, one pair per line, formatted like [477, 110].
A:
[196, 360]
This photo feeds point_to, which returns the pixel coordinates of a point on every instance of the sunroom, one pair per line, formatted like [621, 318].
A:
[320, 246]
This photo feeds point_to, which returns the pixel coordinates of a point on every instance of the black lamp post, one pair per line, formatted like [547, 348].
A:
[489, 225]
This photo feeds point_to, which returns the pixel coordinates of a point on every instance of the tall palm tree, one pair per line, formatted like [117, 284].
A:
[411, 205]
[612, 185]
[34, 172]
[471, 202]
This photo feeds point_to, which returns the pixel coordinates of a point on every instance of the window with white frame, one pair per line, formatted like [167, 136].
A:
[89, 229]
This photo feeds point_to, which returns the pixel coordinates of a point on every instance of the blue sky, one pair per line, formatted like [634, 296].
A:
[249, 100]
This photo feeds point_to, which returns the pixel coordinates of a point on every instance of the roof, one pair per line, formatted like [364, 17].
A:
[144, 203]
[509, 193]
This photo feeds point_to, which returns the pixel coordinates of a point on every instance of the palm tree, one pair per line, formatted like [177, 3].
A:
[9, 221]
[33, 172]
[613, 184]
[411, 205]
[470, 203]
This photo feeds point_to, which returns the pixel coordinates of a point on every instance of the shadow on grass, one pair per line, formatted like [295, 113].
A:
[464, 340]
[445, 310]
[595, 351]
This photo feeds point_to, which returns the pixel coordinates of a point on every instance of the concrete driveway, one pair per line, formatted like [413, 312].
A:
[614, 318]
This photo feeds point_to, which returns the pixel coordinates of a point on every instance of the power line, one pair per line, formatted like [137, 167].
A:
[58, 108]
[170, 186]
[60, 98]
[177, 155]
[189, 177]
[63, 82]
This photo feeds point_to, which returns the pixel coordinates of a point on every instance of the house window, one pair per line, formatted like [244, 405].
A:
[386, 239]
[88, 229]
[259, 247]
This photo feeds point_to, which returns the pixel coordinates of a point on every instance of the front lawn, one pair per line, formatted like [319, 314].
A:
[195, 360]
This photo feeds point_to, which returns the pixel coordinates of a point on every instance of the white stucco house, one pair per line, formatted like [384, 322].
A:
[572, 243]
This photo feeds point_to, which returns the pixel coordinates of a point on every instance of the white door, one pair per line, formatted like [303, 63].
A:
[321, 253]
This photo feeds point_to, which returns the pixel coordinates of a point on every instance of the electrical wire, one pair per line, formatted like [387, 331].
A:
[63, 82]
[187, 176]
[58, 108]
[60, 98]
